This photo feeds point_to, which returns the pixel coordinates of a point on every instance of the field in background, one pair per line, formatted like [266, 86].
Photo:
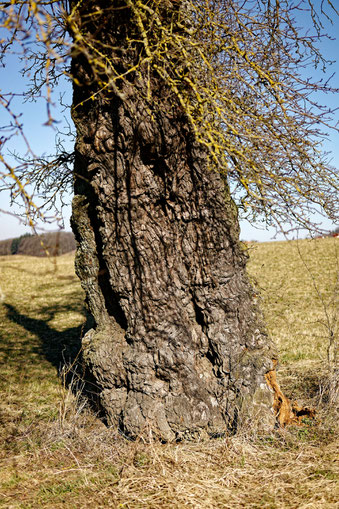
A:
[55, 453]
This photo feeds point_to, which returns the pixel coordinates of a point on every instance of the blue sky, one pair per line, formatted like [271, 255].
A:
[42, 138]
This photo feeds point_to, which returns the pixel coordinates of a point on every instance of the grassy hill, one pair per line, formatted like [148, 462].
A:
[55, 453]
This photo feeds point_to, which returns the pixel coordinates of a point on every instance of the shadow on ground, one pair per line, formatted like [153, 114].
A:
[59, 348]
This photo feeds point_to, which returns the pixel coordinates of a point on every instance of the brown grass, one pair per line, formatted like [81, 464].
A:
[55, 453]
[294, 294]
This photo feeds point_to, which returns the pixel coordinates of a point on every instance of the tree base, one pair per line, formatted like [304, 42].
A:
[164, 409]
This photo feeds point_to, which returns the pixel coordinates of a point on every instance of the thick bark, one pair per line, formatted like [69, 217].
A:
[178, 346]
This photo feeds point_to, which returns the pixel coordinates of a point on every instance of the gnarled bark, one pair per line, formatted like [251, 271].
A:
[178, 346]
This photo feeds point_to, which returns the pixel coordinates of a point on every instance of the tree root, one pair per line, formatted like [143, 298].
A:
[286, 412]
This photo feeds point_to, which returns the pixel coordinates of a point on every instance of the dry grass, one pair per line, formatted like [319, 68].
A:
[298, 282]
[55, 453]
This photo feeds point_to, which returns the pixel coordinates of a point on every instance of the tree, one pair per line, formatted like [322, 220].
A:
[174, 103]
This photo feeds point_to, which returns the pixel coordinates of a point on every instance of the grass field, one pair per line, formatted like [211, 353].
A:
[55, 453]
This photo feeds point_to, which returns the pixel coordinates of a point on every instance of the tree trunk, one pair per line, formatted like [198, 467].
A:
[177, 347]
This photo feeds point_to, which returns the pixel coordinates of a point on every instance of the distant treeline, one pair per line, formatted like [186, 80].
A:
[53, 244]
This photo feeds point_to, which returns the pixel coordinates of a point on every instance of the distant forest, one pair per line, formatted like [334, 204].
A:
[47, 244]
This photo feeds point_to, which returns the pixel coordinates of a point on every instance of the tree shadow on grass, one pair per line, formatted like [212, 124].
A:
[61, 349]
